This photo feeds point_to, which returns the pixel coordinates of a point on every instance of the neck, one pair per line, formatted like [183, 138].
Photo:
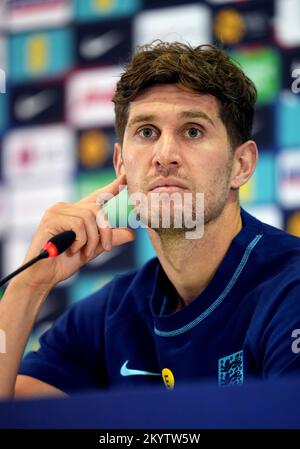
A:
[191, 264]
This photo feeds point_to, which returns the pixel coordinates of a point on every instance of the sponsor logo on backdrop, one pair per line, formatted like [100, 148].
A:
[38, 153]
[103, 43]
[263, 66]
[34, 104]
[286, 23]
[190, 23]
[29, 202]
[229, 26]
[288, 170]
[95, 47]
[94, 148]
[40, 54]
[250, 22]
[28, 107]
[24, 15]
[89, 94]
[88, 10]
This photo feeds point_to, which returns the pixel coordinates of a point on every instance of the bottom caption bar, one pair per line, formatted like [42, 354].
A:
[99, 438]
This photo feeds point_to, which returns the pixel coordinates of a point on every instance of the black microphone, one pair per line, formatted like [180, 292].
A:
[59, 243]
[55, 246]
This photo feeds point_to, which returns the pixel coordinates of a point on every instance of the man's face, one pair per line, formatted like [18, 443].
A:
[175, 136]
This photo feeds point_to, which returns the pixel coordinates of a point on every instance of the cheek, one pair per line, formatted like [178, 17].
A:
[135, 163]
[128, 157]
[133, 172]
[132, 167]
[211, 172]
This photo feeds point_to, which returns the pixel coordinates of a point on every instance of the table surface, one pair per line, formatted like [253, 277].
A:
[258, 406]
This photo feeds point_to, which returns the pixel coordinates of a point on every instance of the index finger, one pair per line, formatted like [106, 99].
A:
[107, 192]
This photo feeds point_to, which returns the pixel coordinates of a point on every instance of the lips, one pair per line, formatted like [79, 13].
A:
[167, 185]
[168, 189]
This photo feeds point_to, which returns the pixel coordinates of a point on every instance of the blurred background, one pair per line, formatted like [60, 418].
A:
[60, 60]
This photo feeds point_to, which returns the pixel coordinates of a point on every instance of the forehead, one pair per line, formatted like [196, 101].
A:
[173, 97]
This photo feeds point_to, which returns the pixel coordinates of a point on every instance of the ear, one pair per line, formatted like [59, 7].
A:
[245, 160]
[118, 160]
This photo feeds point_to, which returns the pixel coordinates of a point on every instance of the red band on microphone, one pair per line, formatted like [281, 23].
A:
[51, 249]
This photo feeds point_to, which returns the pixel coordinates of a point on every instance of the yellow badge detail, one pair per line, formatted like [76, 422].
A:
[93, 148]
[102, 5]
[168, 378]
[37, 53]
[229, 26]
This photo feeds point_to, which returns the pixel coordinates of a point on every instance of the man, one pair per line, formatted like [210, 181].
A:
[221, 308]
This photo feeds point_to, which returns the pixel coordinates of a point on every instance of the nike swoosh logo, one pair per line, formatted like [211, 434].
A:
[93, 47]
[26, 108]
[124, 371]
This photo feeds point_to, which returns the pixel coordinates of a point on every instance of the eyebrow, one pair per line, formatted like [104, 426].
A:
[141, 118]
[184, 114]
[196, 114]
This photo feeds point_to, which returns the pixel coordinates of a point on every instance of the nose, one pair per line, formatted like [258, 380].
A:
[166, 155]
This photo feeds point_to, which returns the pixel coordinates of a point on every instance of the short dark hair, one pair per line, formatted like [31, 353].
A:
[203, 69]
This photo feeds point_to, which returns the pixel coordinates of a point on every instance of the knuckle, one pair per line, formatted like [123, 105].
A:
[89, 214]
[54, 209]
[80, 222]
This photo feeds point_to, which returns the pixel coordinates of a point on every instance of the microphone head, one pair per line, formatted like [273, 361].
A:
[59, 243]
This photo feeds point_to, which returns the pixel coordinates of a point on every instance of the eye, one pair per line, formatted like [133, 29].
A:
[193, 132]
[147, 132]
